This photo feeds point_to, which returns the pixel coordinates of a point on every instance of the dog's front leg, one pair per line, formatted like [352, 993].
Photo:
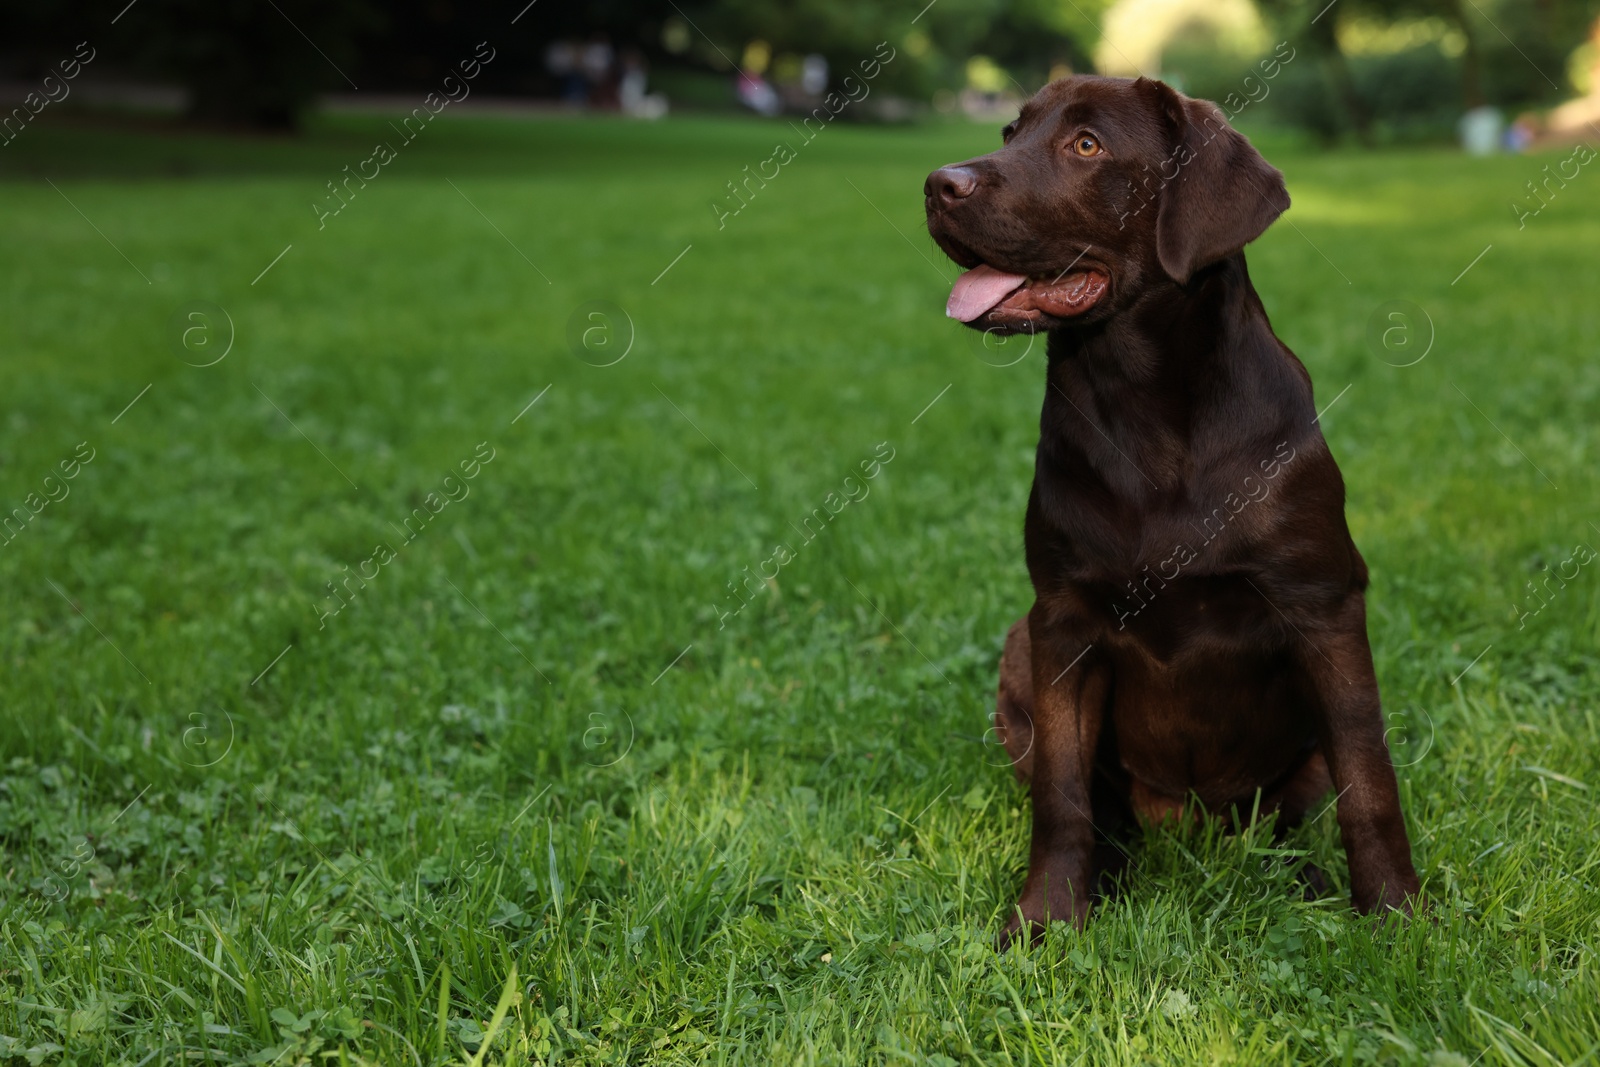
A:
[1070, 686]
[1338, 661]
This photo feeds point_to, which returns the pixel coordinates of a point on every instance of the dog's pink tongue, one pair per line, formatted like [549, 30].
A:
[978, 290]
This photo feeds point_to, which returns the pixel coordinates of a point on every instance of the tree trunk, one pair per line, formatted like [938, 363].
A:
[1337, 70]
[1471, 58]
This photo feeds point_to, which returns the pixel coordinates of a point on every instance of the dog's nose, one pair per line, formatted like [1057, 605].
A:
[950, 184]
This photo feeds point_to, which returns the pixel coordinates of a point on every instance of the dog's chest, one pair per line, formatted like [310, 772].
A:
[1164, 597]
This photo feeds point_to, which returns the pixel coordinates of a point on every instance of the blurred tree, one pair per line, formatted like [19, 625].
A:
[242, 62]
[1533, 70]
[248, 63]
[1026, 37]
[1510, 53]
[261, 63]
[1451, 11]
[424, 39]
[1314, 28]
[1514, 51]
[1030, 37]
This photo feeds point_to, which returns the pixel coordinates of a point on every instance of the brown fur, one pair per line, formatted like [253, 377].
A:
[1144, 677]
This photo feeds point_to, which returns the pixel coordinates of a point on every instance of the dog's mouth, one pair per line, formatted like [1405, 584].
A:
[997, 301]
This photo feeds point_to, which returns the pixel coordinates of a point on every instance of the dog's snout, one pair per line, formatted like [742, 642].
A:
[948, 185]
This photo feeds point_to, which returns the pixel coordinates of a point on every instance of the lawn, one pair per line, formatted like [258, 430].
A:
[407, 662]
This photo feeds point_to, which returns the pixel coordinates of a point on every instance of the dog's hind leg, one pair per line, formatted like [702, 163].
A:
[1013, 706]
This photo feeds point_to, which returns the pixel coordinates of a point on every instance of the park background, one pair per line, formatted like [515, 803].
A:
[391, 671]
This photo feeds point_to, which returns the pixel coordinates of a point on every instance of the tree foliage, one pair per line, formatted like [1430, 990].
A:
[1509, 53]
[1026, 37]
[261, 62]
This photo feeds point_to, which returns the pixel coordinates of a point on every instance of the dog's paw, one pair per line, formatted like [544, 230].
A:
[1400, 893]
[1314, 884]
[1031, 917]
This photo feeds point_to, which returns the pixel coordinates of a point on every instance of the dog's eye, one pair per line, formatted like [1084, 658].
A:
[1086, 145]
[1005, 134]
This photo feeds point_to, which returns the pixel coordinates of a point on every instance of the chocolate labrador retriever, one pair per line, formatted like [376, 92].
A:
[1199, 626]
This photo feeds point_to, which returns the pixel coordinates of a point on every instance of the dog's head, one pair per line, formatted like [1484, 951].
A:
[1104, 187]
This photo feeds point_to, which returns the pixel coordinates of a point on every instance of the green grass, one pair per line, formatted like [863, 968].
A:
[791, 846]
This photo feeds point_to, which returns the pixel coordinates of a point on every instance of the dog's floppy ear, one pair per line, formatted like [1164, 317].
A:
[1223, 196]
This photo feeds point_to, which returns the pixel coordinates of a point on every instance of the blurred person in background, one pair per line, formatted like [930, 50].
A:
[631, 86]
[561, 60]
[598, 61]
[757, 94]
[753, 90]
[814, 74]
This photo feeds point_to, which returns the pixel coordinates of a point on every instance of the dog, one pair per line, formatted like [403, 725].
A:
[1198, 631]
